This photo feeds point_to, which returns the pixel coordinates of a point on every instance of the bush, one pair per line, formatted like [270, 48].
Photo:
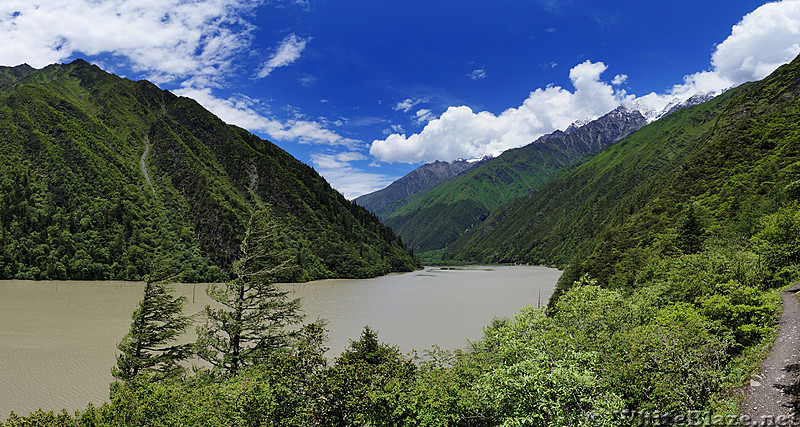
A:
[778, 241]
[742, 311]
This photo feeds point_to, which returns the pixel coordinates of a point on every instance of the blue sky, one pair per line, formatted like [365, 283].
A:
[365, 91]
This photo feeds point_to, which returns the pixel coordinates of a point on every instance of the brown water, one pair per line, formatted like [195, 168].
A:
[57, 339]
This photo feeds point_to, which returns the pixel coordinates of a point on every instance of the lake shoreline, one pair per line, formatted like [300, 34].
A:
[58, 338]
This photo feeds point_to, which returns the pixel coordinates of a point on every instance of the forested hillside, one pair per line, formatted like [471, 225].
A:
[678, 237]
[414, 185]
[722, 166]
[550, 225]
[444, 214]
[99, 174]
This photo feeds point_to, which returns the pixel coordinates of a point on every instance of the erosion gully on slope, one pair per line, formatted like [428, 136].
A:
[143, 165]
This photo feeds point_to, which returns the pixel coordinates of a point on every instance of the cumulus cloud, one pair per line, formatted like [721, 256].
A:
[619, 79]
[349, 180]
[166, 39]
[763, 40]
[289, 51]
[397, 128]
[462, 133]
[241, 111]
[189, 43]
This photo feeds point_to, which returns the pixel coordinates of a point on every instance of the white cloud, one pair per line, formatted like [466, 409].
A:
[763, 40]
[303, 3]
[240, 111]
[461, 133]
[350, 181]
[395, 128]
[166, 39]
[306, 132]
[307, 80]
[191, 44]
[336, 161]
[423, 116]
[289, 51]
[477, 74]
[407, 104]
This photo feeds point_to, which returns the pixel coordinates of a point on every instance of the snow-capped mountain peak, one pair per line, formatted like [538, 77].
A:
[654, 107]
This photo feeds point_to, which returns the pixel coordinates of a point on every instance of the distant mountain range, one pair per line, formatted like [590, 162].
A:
[414, 185]
[107, 178]
[444, 209]
[735, 157]
[441, 215]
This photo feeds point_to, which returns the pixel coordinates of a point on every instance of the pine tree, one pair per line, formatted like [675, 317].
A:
[158, 321]
[255, 313]
[691, 230]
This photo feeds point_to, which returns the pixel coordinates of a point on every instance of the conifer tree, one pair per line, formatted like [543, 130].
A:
[157, 322]
[691, 230]
[251, 323]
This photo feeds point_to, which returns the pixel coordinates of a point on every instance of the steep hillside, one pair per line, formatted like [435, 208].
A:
[99, 175]
[444, 214]
[550, 225]
[414, 185]
[724, 163]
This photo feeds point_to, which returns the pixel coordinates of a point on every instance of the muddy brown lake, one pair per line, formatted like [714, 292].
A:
[58, 338]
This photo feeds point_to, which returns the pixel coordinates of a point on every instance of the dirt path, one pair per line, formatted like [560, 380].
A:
[144, 167]
[770, 398]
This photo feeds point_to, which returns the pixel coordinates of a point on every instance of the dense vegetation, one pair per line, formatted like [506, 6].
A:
[414, 185]
[551, 225]
[75, 203]
[601, 353]
[684, 232]
[729, 161]
[439, 217]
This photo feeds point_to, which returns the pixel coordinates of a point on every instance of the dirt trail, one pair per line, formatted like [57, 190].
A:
[144, 167]
[770, 395]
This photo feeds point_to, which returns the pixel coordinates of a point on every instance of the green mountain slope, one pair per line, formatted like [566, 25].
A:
[75, 202]
[445, 213]
[730, 160]
[548, 226]
[413, 185]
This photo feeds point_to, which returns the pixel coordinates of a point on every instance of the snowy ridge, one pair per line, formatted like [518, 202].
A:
[654, 107]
